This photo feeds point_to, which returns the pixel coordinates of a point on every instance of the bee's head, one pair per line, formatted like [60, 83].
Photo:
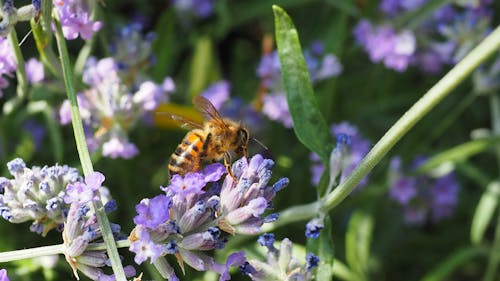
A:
[242, 139]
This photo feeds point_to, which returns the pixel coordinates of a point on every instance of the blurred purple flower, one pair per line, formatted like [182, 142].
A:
[357, 148]
[37, 132]
[34, 71]
[199, 8]
[3, 275]
[421, 195]
[84, 192]
[394, 7]
[111, 109]
[116, 147]
[7, 63]
[383, 44]
[75, 19]
[217, 93]
[275, 107]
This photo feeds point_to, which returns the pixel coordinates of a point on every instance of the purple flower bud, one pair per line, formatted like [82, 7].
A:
[311, 261]
[16, 166]
[313, 227]
[153, 212]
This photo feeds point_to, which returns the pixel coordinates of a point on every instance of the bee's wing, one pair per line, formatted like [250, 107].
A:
[185, 122]
[205, 106]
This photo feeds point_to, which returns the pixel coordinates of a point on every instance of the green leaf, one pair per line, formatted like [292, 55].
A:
[358, 241]
[308, 123]
[202, 66]
[453, 262]
[458, 153]
[484, 212]
[162, 46]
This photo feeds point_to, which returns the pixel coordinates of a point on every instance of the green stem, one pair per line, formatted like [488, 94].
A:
[22, 81]
[31, 253]
[293, 214]
[438, 92]
[494, 258]
[83, 152]
[52, 250]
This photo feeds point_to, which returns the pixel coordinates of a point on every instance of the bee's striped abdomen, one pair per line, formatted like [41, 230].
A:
[187, 156]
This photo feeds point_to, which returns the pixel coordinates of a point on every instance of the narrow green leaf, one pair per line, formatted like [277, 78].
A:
[453, 262]
[484, 212]
[162, 46]
[358, 241]
[202, 66]
[458, 153]
[308, 123]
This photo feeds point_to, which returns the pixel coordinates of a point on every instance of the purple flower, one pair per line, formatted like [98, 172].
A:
[266, 240]
[217, 93]
[234, 259]
[119, 148]
[383, 43]
[84, 192]
[203, 214]
[395, 7]
[7, 63]
[150, 95]
[311, 261]
[34, 71]
[3, 275]
[189, 184]
[153, 212]
[422, 195]
[275, 107]
[75, 19]
[313, 228]
[348, 138]
[144, 248]
[36, 194]
[199, 8]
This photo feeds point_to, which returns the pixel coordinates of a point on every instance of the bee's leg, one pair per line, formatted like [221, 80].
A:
[227, 164]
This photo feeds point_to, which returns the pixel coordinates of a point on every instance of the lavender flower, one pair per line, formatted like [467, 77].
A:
[112, 109]
[422, 196]
[36, 194]
[321, 66]
[7, 63]
[217, 93]
[357, 148]
[383, 44]
[131, 48]
[81, 229]
[313, 227]
[75, 19]
[3, 275]
[198, 8]
[280, 265]
[34, 71]
[199, 217]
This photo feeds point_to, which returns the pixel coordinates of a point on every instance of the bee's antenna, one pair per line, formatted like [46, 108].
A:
[261, 144]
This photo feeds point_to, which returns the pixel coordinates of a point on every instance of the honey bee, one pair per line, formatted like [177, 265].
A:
[211, 141]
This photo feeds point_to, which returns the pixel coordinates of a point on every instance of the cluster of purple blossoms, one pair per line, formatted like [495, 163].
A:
[321, 66]
[442, 39]
[133, 49]
[198, 8]
[112, 108]
[7, 63]
[34, 71]
[81, 228]
[280, 263]
[198, 212]
[357, 148]
[75, 19]
[422, 196]
[36, 194]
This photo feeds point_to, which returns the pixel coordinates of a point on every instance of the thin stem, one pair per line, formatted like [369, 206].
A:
[83, 151]
[293, 214]
[494, 258]
[52, 250]
[31, 253]
[438, 92]
[22, 81]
